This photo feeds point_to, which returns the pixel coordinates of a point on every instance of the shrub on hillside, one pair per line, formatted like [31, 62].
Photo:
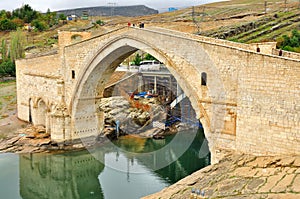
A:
[100, 22]
[290, 43]
[39, 25]
[7, 24]
[7, 68]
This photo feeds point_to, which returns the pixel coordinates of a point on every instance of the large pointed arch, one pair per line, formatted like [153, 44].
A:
[97, 72]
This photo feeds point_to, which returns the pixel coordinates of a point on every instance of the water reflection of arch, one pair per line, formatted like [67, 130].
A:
[170, 165]
[68, 176]
[42, 167]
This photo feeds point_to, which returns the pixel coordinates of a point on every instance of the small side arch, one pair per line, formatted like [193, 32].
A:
[203, 79]
[30, 110]
[41, 113]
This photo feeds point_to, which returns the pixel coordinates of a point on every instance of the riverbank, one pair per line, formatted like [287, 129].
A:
[241, 176]
[17, 136]
[9, 123]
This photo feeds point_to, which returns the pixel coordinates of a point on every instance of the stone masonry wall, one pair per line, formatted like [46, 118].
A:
[268, 106]
[37, 80]
[250, 102]
[228, 64]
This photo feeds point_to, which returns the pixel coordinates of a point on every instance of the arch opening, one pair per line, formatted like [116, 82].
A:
[203, 79]
[91, 85]
[30, 110]
[41, 113]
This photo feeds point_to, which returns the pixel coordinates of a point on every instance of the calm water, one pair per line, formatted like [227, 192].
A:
[131, 170]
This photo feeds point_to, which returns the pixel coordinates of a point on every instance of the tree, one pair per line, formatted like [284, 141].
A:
[4, 51]
[62, 16]
[137, 60]
[3, 14]
[17, 43]
[7, 67]
[149, 57]
[290, 43]
[50, 18]
[7, 24]
[18, 22]
[25, 13]
[39, 25]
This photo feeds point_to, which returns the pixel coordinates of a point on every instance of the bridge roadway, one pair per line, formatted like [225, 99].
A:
[250, 97]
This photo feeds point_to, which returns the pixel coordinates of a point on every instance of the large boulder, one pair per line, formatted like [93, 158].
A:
[133, 117]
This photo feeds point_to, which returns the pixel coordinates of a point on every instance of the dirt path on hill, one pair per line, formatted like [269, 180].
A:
[9, 123]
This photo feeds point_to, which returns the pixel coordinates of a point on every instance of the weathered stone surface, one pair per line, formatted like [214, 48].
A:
[28, 150]
[12, 140]
[287, 161]
[271, 182]
[296, 185]
[267, 171]
[4, 146]
[30, 136]
[245, 159]
[245, 172]
[218, 183]
[284, 183]
[291, 170]
[283, 195]
[263, 162]
[230, 187]
[253, 185]
[296, 163]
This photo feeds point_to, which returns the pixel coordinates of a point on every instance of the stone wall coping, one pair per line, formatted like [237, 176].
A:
[49, 76]
[38, 55]
[216, 44]
[97, 36]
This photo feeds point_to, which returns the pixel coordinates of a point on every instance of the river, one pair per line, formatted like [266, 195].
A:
[128, 168]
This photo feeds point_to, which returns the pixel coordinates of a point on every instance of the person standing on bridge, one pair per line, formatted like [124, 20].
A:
[141, 25]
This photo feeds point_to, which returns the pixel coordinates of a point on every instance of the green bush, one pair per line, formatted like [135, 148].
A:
[100, 22]
[62, 17]
[137, 60]
[39, 25]
[7, 24]
[7, 68]
[149, 57]
[290, 43]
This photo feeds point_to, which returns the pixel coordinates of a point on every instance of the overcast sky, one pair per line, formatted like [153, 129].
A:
[54, 5]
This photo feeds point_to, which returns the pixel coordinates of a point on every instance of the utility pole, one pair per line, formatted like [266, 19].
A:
[194, 20]
[285, 5]
[266, 5]
[112, 8]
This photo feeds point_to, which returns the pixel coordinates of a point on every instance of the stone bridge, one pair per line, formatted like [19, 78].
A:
[246, 96]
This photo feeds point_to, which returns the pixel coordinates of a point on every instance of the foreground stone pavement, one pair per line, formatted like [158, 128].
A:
[241, 176]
